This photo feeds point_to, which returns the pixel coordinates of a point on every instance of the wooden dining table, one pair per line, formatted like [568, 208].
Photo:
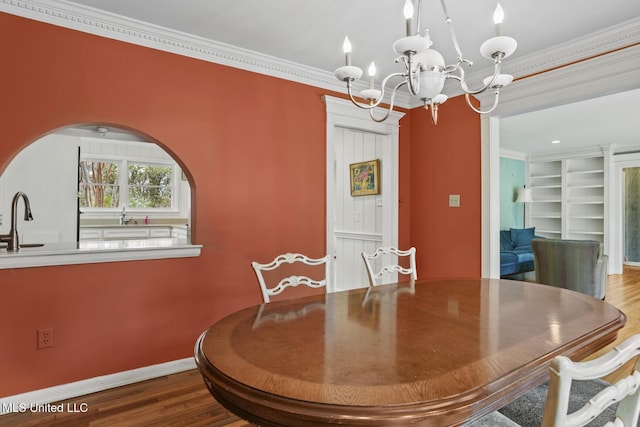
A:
[425, 353]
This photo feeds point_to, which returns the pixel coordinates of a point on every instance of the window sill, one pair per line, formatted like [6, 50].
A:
[88, 252]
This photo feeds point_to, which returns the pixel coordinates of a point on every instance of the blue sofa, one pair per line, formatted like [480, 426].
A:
[516, 255]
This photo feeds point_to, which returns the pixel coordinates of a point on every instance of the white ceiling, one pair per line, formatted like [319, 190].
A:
[598, 122]
[310, 32]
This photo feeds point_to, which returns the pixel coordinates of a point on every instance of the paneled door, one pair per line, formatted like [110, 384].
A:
[359, 223]
[358, 219]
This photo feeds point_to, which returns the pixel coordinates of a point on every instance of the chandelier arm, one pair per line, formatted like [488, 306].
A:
[391, 102]
[358, 104]
[386, 79]
[414, 84]
[478, 110]
[372, 105]
[463, 83]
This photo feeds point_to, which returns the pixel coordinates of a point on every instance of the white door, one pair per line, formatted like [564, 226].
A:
[358, 219]
[359, 223]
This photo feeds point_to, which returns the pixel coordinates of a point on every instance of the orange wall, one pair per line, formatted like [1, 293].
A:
[444, 160]
[253, 147]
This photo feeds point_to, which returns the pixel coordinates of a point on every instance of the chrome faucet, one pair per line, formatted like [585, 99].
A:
[123, 217]
[12, 239]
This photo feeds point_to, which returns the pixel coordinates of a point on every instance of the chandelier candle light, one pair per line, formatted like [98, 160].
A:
[424, 68]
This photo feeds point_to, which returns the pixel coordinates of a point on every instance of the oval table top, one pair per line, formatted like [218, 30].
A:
[438, 352]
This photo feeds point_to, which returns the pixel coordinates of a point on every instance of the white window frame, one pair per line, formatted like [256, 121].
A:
[123, 165]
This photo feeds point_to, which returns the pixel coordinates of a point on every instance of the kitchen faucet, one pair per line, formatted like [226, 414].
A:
[12, 239]
[123, 217]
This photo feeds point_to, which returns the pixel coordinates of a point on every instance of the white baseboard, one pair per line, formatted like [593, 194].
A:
[92, 385]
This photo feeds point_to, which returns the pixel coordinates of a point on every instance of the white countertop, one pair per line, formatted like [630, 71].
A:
[97, 251]
[182, 226]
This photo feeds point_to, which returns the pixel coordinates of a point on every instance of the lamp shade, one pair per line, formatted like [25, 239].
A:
[524, 195]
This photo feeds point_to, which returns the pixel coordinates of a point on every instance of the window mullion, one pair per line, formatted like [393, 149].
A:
[124, 183]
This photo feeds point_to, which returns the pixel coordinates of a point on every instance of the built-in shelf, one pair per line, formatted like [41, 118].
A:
[586, 232]
[569, 195]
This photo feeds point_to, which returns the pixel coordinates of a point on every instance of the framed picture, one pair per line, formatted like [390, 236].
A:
[365, 178]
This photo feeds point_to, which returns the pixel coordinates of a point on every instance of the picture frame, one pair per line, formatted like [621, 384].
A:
[364, 178]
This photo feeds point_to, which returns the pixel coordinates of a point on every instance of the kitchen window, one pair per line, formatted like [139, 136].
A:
[145, 186]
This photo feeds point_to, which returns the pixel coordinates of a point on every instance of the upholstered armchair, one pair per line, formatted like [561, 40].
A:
[578, 265]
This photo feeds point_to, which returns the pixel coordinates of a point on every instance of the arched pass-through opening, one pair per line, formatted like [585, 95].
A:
[95, 187]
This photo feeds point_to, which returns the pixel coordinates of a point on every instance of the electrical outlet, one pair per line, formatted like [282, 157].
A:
[45, 338]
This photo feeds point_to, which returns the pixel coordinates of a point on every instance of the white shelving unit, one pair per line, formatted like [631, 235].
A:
[570, 195]
[585, 198]
[545, 181]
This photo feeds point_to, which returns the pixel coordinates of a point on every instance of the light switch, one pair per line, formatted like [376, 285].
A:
[378, 201]
[454, 200]
[356, 216]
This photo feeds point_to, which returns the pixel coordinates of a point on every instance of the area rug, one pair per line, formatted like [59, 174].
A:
[527, 410]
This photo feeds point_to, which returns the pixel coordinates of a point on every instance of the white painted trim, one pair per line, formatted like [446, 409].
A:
[574, 154]
[604, 75]
[373, 237]
[610, 39]
[616, 210]
[94, 21]
[511, 154]
[92, 385]
[490, 158]
[342, 113]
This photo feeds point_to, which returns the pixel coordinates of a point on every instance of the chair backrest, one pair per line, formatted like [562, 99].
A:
[382, 261]
[578, 265]
[291, 280]
[626, 391]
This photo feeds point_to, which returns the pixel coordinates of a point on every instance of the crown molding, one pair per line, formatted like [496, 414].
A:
[598, 76]
[601, 43]
[90, 20]
[512, 154]
[93, 21]
[604, 150]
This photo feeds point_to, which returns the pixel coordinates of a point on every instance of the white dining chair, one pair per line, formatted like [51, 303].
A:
[577, 395]
[386, 260]
[291, 280]
[625, 392]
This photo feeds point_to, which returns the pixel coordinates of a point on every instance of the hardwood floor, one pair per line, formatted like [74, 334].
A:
[175, 400]
[182, 399]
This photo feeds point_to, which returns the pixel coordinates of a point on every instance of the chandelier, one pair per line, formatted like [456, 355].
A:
[424, 68]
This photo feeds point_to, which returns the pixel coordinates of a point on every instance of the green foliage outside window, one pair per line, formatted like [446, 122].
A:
[149, 186]
[99, 185]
